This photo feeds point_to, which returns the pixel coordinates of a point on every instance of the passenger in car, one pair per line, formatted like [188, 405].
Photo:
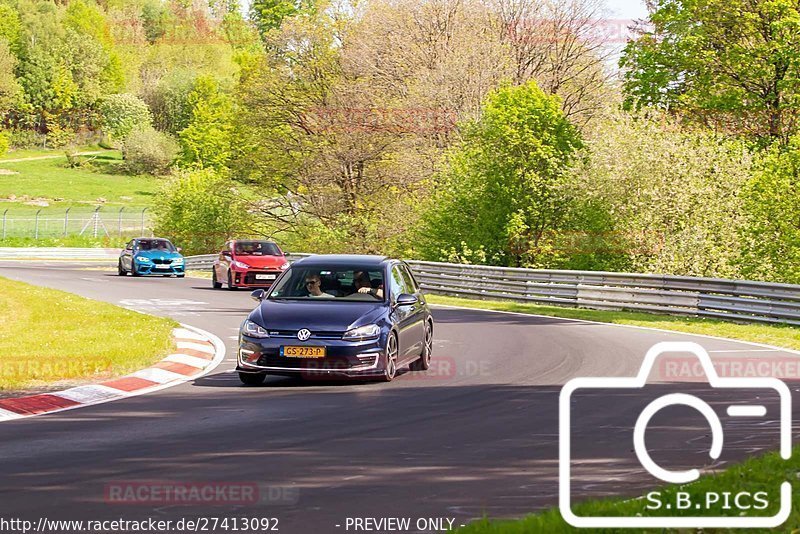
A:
[314, 287]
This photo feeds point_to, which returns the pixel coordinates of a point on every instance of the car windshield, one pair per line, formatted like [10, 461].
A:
[334, 283]
[155, 244]
[256, 248]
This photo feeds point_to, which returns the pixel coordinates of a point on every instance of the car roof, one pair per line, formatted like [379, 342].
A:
[363, 260]
[150, 239]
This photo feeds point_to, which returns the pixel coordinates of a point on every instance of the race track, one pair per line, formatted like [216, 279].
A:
[478, 435]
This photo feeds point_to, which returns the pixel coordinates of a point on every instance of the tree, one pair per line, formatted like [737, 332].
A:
[9, 87]
[310, 138]
[121, 113]
[206, 140]
[269, 14]
[732, 63]
[674, 195]
[506, 183]
[771, 234]
[200, 209]
[557, 44]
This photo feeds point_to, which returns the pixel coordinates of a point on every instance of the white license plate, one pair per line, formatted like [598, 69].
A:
[265, 277]
[162, 266]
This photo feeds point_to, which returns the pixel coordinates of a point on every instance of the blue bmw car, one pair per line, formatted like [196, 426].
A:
[150, 256]
[360, 317]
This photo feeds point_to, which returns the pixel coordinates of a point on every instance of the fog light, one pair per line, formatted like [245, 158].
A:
[248, 356]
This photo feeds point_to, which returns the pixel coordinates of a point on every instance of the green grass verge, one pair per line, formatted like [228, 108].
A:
[764, 473]
[78, 241]
[101, 181]
[778, 335]
[761, 474]
[48, 336]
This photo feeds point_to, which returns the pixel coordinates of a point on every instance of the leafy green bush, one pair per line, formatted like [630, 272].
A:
[200, 210]
[771, 234]
[206, 141]
[120, 113]
[505, 185]
[148, 150]
[21, 139]
[674, 194]
[4, 143]
[59, 136]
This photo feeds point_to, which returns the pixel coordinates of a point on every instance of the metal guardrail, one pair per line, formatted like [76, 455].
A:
[738, 300]
[679, 295]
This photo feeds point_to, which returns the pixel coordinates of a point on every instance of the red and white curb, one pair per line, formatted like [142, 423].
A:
[198, 353]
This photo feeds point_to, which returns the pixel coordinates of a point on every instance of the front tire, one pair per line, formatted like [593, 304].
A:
[133, 270]
[231, 287]
[120, 270]
[214, 283]
[252, 379]
[424, 361]
[390, 366]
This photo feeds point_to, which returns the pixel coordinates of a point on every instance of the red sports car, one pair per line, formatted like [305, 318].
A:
[246, 263]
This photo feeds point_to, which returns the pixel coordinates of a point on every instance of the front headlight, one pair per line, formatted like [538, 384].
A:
[254, 330]
[142, 259]
[369, 331]
[178, 261]
[240, 264]
[285, 266]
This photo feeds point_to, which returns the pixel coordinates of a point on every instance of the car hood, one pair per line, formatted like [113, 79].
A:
[316, 316]
[159, 254]
[262, 261]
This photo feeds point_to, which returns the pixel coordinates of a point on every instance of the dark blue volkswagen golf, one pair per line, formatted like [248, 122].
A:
[360, 317]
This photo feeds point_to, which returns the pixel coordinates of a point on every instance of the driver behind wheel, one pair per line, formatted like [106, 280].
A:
[363, 284]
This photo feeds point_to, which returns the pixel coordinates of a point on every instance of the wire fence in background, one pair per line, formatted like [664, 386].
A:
[99, 222]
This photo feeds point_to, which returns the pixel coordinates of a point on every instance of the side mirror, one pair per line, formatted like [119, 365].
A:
[406, 299]
[258, 295]
[179, 249]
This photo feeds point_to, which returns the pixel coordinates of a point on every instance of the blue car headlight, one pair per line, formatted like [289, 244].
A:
[252, 329]
[142, 259]
[370, 331]
[178, 261]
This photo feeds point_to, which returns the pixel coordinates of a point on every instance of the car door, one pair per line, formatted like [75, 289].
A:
[403, 315]
[416, 329]
[127, 256]
[223, 262]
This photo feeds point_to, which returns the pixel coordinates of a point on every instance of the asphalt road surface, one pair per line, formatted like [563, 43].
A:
[477, 435]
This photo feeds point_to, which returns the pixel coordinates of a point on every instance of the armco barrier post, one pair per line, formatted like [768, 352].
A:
[144, 210]
[119, 220]
[36, 225]
[66, 221]
[4, 223]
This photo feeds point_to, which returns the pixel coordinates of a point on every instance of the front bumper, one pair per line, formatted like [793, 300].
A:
[352, 359]
[158, 269]
[247, 278]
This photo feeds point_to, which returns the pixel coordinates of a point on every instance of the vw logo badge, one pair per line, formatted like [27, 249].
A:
[304, 334]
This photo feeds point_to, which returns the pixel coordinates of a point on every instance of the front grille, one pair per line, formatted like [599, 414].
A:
[159, 261]
[319, 334]
[250, 278]
[310, 364]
